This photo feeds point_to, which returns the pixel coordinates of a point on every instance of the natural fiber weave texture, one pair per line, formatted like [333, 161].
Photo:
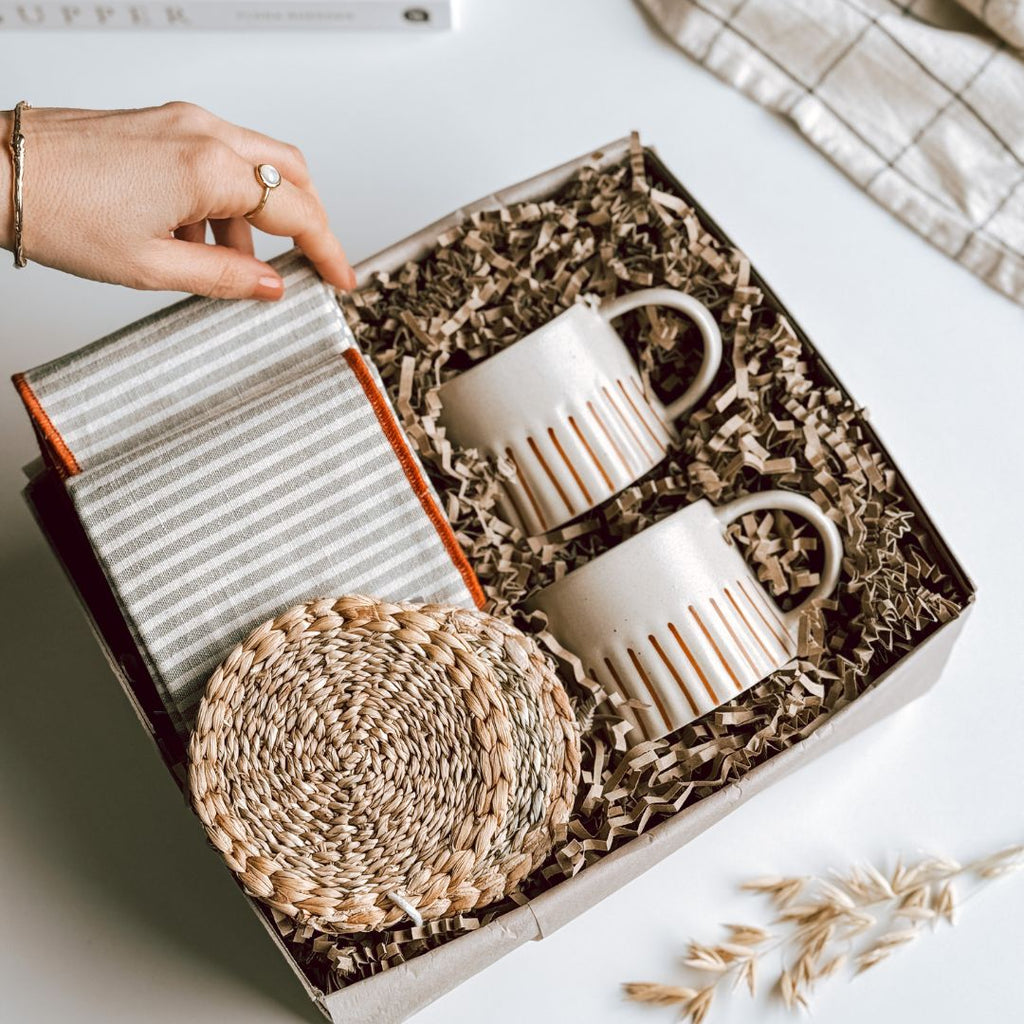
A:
[351, 751]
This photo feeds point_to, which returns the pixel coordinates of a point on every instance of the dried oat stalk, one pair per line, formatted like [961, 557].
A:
[850, 920]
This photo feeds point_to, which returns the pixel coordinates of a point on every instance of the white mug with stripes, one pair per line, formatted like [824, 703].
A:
[566, 406]
[675, 619]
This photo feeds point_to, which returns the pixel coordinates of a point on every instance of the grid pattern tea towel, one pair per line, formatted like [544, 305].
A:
[229, 459]
[919, 103]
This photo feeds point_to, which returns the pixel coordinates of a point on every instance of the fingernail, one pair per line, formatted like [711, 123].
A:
[269, 287]
[350, 278]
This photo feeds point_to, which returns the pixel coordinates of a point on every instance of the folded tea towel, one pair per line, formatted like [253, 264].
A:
[919, 103]
[1004, 17]
[230, 459]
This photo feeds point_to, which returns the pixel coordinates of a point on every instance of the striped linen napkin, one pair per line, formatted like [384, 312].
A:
[230, 459]
[919, 103]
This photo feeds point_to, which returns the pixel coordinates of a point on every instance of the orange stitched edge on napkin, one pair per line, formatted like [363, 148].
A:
[401, 449]
[67, 464]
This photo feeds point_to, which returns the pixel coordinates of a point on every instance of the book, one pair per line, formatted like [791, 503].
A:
[182, 15]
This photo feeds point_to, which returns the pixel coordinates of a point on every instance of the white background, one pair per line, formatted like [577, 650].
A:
[112, 909]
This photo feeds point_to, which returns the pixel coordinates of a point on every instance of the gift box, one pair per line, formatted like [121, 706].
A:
[891, 654]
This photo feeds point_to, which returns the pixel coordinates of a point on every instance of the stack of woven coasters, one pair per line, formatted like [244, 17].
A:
[228, 459]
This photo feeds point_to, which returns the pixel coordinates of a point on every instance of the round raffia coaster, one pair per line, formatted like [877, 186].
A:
[359, 762]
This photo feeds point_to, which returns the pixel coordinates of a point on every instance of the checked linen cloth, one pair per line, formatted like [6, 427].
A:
[920, 103]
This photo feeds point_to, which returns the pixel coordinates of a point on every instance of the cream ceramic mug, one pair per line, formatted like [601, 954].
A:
[675, 618]
[567, 407]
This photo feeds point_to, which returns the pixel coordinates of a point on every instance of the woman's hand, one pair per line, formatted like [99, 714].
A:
[125, 196]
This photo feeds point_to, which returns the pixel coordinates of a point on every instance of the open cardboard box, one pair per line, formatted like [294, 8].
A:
[400, 991]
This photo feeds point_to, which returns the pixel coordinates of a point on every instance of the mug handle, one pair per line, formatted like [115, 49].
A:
[699, 314]
[803, 506]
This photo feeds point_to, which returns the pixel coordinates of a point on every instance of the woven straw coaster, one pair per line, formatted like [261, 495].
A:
[359, 762]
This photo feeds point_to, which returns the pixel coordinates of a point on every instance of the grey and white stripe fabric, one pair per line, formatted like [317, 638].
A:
[230, 465]
[152, 377]
[918, 102]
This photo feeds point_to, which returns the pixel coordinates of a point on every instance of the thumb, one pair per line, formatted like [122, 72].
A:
[214, 270]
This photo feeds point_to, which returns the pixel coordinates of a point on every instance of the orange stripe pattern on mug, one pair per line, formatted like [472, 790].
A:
[745, 642]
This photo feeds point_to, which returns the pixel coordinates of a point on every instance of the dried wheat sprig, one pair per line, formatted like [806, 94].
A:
[747, 934]
[828, 929]
[700, 1004]
[658, 995]
[781, 890]
[1000, 863]
[944, 902]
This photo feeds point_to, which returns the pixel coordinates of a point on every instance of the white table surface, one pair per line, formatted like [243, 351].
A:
[113, 909]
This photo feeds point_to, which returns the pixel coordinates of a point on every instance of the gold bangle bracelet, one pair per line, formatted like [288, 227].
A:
[17, 146]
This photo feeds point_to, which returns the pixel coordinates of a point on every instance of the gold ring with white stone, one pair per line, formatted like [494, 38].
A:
[269, 177]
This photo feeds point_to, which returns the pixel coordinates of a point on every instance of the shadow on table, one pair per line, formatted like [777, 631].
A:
[92, 796]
